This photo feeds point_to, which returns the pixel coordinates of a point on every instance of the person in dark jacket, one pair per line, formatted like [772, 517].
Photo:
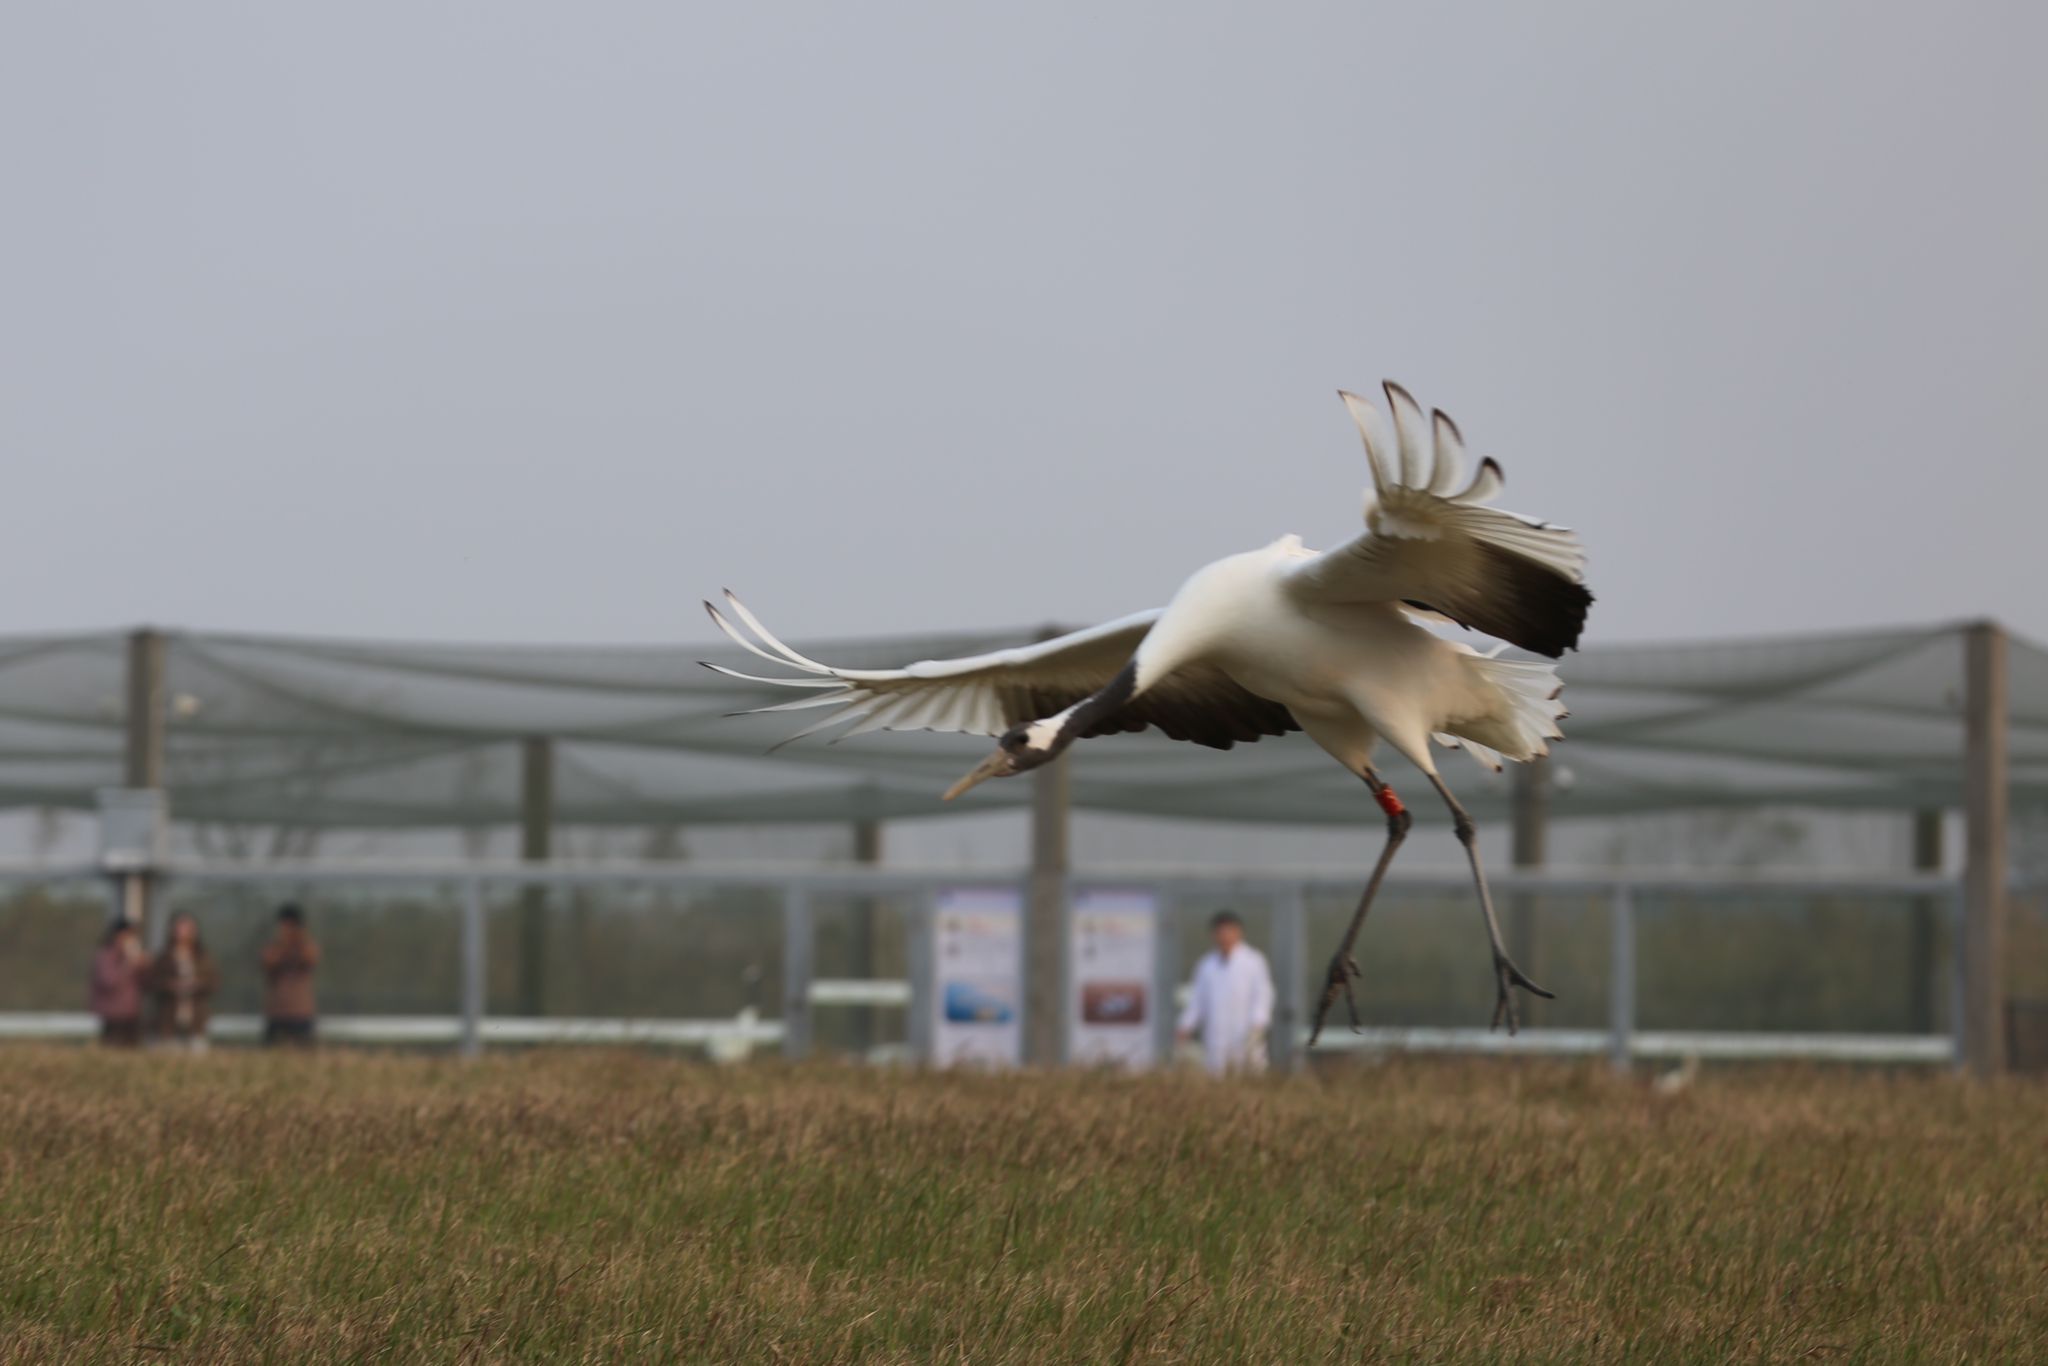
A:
[288, 962]
[115, 990]
[183, 979]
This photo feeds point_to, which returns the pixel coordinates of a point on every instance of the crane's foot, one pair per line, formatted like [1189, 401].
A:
[1506, 975]
[1343, 971]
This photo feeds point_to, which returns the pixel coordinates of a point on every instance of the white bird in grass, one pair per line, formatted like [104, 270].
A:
[1283, 638]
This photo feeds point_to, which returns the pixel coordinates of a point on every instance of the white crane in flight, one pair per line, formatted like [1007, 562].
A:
[1285, 638]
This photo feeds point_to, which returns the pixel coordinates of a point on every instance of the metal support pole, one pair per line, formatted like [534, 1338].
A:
[796, 974]
[1984, 871]
[1922, 921]
[1958, 1018]
[136, 892]
[1621, 999]
[118, 897]
[1290, 929]
[1531, 805]
[1045, 917]
[472, 967]
[918, 956]
[536, 841]
[860, 948]
[1166, 974]
[145, 708]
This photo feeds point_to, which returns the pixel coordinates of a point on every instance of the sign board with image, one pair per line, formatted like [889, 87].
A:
[977, 997]
[1112, 975]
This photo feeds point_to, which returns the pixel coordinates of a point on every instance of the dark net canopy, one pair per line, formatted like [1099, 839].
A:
[330, 733]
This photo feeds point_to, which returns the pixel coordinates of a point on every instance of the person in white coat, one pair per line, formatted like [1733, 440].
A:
[1231, 1001]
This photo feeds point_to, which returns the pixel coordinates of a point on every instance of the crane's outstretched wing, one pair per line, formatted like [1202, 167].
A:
[1436, 546]
[988, 694]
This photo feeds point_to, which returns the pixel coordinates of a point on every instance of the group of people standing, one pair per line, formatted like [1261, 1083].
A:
[167, 997]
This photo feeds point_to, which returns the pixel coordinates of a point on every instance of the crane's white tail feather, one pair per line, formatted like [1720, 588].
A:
[1527, 719]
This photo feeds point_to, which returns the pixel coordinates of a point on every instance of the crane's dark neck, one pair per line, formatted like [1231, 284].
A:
[1109, 701]
[1086, 717]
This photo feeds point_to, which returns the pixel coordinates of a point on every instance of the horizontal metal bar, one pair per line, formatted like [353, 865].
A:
[1424, 1039]
[12, 871]
[907, 881]
[430, 1029]
[848, 882]
[1540, 882]
[853, 991]
[1244, 882]
[1708, 1045]
[518, 1030]
[48, 1024]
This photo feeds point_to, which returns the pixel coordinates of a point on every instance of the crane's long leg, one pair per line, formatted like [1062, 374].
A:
[1505, 973]
[1344, 967]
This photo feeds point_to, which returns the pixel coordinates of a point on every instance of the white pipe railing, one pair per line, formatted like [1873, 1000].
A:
[416, 1031]
[1286, 893]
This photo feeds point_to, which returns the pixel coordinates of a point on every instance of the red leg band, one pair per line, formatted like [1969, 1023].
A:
[1389, 803]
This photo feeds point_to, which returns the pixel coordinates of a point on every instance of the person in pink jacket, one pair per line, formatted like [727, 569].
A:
[115, 988]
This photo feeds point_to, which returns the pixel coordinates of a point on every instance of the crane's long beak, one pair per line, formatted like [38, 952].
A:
[997, 765]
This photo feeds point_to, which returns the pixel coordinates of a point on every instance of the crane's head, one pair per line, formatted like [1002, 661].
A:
[1021, 749]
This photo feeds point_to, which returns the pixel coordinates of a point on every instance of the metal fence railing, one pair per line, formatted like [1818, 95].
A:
[1646, 965]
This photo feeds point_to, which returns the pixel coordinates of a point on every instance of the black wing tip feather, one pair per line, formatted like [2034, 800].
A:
[1581, 602]
[1535, 608]
[1526, 604]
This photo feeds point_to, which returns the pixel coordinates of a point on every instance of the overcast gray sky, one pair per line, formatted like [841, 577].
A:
[516, 321]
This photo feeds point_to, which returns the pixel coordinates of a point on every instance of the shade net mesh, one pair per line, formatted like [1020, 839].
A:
[350, 734]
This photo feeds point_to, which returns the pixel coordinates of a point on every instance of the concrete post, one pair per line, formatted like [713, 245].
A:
[1290, 954]
[135, 893]
[1045, 916]
[1984, 870]
[1045, 910]
[1166, 974]
[1621, 983]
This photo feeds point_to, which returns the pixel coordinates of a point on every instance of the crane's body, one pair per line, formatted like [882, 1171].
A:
[1351, 674]
[1278, 639]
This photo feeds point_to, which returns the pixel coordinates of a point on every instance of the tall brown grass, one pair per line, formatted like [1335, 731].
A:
[620, 1207]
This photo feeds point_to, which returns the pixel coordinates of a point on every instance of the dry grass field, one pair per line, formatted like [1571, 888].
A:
[619, 1207]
